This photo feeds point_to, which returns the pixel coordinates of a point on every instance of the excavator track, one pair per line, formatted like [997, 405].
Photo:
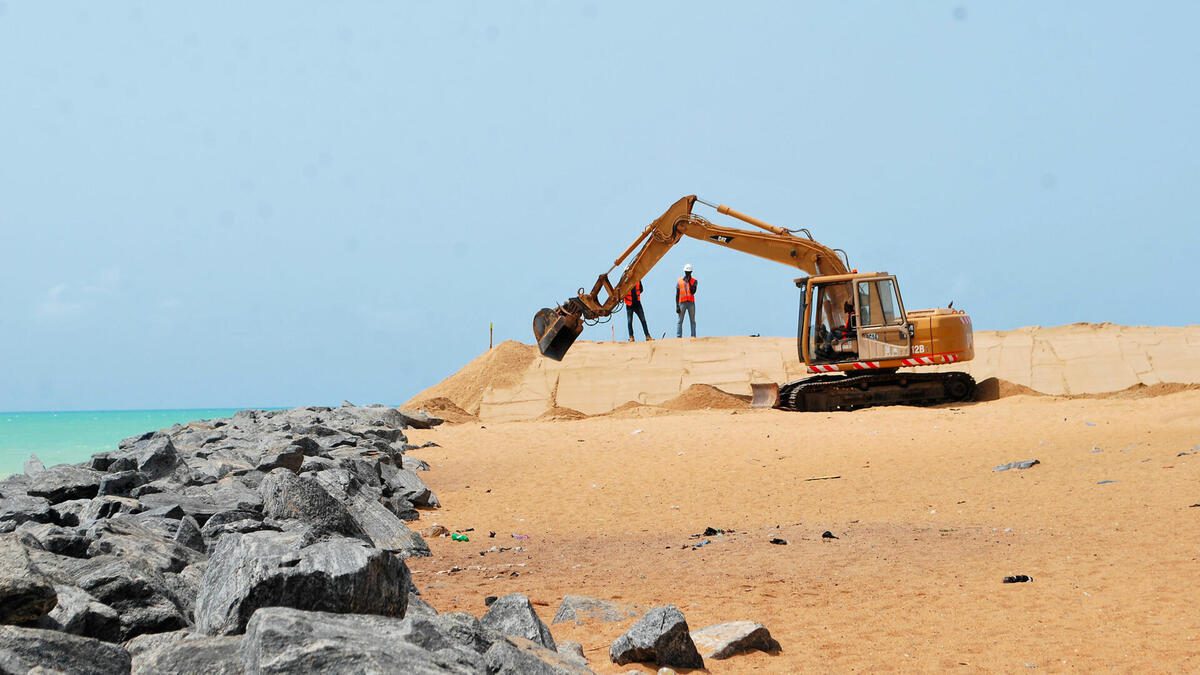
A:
[824, 393]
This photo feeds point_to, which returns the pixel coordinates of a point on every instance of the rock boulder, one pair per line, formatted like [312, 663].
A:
[661, 637]
[274, 569]
[513, 615]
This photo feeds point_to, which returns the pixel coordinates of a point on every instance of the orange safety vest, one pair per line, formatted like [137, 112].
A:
[635, 293]
[687, 291]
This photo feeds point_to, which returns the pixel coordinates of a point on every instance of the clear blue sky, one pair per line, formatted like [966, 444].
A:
[275, 203]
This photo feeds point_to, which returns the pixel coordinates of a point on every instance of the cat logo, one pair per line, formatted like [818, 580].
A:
[721, 239]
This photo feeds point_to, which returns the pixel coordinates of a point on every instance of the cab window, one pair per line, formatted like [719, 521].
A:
[877, 304]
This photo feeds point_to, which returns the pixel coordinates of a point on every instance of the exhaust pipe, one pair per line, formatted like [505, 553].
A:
[555, 331]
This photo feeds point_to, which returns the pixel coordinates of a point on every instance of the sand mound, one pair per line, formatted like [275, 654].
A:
[501, 367]
[994, 389]
[1145, 391]
[703, 396]
[440, 406]
[561, 414]
[635, 410]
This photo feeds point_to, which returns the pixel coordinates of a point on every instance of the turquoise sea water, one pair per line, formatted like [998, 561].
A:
[70, 437]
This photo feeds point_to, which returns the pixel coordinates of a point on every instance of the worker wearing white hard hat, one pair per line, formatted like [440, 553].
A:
[685, 300]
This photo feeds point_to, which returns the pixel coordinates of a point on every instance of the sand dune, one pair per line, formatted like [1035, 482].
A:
[511, 382]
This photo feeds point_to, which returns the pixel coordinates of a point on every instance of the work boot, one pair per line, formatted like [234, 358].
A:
[631, 339]
[649, 339]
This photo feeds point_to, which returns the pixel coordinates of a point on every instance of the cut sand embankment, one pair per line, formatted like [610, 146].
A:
[513, 383]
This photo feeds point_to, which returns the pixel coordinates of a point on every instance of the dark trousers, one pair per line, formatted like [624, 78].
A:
[636, 308]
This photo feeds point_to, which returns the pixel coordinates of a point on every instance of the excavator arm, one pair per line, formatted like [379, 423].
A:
[556, 329]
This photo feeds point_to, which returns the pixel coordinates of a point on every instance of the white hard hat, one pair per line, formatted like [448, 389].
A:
[687, 267]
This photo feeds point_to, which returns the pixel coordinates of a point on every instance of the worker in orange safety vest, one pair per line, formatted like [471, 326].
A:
[685, 300]
[633, 305]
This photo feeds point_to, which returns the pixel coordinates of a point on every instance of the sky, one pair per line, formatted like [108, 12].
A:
[292, 203]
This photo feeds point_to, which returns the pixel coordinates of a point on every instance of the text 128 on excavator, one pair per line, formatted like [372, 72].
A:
[854, 333]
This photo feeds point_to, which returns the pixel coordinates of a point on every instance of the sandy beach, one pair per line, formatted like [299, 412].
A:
[609, 506]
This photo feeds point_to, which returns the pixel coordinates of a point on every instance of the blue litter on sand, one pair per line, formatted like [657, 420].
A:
[1106, 482]
[1017, 465]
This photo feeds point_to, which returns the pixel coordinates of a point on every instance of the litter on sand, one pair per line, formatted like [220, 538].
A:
[779, 542]
[822, 478]
[1024, 464]
[1018, 579]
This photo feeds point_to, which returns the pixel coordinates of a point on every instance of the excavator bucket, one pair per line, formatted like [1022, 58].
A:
[765, 394]
[555, 332]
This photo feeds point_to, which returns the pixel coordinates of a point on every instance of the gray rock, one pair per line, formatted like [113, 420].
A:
[121, 483]
[465, 630]
[215, 534]
[317, 463]
[23, 509]
[198, 655]
[203, 501]
[290, 458]
[108, 506]
[141, 545]
[100, 461]
[26, 595]
[573, 652]
[661, 637]
[33, 465]
[418, 607]
[419, 419]
[409, 485]
[287, 496]
[170, 512]
[284, 640]
[400, 507]
[14, 485]
[64, 482]
[381, 526]
[78, 613]
[142, 597]
[220, 519]
[581, 609]
[724, 640]
[272, 569]
[157, 457]
[517, 656]
[513, 615]
[414, 464]
[149, 641]
[30, 650]
[68, 513]
[189, 535]
[52, 538]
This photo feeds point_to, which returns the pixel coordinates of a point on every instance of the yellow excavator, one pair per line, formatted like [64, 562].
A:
[854, 334]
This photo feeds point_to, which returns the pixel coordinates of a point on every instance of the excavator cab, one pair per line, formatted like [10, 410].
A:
[852, 318]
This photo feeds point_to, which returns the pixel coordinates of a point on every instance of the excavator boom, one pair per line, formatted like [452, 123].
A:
[557, 329]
